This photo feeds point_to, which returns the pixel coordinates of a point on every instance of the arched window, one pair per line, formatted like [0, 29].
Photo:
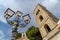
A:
[37, 12]
[23, 35]
[47, 28]
[41, 18]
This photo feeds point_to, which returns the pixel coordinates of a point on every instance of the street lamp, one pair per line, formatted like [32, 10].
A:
[14, 19]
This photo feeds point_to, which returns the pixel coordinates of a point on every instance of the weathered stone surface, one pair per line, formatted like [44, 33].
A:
[48, 23]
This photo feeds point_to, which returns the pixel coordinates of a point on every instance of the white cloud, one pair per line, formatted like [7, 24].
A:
[2, 19]
[1, 35]
[2, 9]
[53, 6]
[49, 3]
[4, 36]
[10, 4]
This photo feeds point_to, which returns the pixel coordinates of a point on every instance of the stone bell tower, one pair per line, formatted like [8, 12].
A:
[46, 20]
[23, 37]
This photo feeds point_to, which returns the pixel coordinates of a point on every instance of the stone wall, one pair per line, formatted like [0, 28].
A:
[47, 23]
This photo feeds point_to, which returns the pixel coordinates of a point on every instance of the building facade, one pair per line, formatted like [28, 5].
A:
[23, 37]
[48, 24]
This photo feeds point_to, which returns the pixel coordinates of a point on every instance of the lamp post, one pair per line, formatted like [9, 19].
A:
[14, 19]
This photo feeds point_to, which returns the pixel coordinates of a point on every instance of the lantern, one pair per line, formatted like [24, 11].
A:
[18, 14]
[9, 13]
[26, 18]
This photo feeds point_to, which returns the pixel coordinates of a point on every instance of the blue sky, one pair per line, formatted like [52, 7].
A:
[27, 7]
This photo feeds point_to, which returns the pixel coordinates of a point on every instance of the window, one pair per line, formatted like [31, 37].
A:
[23, 35]
[40, 17]
[37, 12]
[47, 28]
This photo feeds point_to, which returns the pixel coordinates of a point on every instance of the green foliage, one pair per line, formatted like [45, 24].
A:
[33, 33]
[18, 35]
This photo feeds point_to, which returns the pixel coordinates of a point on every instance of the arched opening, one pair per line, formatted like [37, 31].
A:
[47, 28]
[41, 18]
[23, 35]
[38, 12]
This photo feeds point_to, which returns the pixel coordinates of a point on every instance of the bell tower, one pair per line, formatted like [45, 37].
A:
[46, 20]
[23, 37]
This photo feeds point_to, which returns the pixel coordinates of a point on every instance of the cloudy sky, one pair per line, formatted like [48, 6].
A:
[27, 7]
